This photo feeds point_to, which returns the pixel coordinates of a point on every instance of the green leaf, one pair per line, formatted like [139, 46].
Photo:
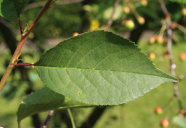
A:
[99, 68]
[7, 9]
[180, 121]
[179, 1]
[42, 100]
[107, 13]
[11, 9]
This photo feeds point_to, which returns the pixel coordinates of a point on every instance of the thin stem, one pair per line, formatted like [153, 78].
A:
[46, 7]
[112, 15]
[182, 28]
[23, 64]
[20, 45]
[169, 49]
[136, 14]
[163, 7]
[20, 27]
[163, 28]
[71, 118]
[50, 115]
[168, 103]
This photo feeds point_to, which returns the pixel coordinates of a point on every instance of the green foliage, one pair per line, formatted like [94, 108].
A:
[9, 91]
[64, 20]
[99, 68]
[180, 121]
[123, 72]
[20, 4]
[7, 9]
[117, 15]
[179, 1]
[11, 9]
[42, 100]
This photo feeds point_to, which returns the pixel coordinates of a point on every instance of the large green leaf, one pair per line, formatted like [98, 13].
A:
[42, 100]
[11, 9]
[99, 68]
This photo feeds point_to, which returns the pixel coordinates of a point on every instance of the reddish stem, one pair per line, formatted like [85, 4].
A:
[20, 26]
[47, 6]
[23, 64]
[20, 45]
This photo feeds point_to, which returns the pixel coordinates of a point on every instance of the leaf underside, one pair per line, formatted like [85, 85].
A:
[99, 68]
[43, 100]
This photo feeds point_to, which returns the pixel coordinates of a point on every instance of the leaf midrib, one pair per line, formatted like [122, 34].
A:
[66, 68]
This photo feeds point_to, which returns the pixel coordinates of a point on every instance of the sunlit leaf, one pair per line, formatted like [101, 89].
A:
[99, 68]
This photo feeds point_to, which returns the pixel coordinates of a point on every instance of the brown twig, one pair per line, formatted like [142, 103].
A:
[163, 7]
[20, 45]
[112, 15]
[169, 49]
[50, 114]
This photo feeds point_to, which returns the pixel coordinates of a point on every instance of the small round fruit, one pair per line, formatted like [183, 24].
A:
[159, 39]
[129, 24]
[75, 34]
[151, 40]
[152, 56]
[141, 20]
[126, 9]
[144, 2]
[31, 35]
[183, 56]
[158, 110]
[165, 42]
[164, 123]
[182, 112]
[184, 11]
[18, 37]
[173, 25]
[88, 8]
